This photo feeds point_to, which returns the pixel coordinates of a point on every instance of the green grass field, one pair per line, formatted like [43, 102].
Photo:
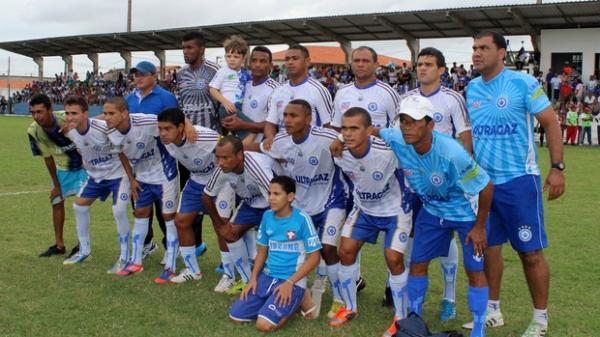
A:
[41, 297]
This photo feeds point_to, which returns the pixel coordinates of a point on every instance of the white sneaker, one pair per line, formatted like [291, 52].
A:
[492, 320]
[150, 248]
[117, 267]
[225, 283]
[164, 259]
[186, 275]
[535, 329]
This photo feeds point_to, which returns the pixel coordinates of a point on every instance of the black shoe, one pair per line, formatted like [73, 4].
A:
[387, 301]
[74, 251]
[53, 250]
[360, 284]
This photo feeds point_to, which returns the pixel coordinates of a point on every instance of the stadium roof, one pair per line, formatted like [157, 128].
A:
[438, 23]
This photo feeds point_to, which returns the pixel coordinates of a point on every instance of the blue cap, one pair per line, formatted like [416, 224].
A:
[143, 68]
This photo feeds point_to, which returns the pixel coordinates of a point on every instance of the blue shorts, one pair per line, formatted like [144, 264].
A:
[517, 215]
[432, 240]
[166, 193]
[191, 198]
[246, 215]
[262, 304]
[363, 227]
[70, 183]
[119, 187]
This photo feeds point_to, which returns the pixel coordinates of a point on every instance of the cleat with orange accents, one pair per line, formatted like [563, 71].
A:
[131, 269]
[165, 277]
[391, 331]
[342, 316]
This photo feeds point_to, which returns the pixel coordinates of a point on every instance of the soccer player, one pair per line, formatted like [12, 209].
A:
[300, 85]
[447, 180]
[62, 161]
[304, 151]
[450, 119]
[379, 205]
[248, 174]
[150, 98]
[257, 95]
[373, 95]
[367, 92]
[198, 157]
[288, 251]
[155, 178]
[502, 106]
[106, 176]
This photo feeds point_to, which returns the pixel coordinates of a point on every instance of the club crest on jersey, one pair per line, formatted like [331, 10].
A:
[372, 106]
[525, 233]
[314, 161]
[345, 106]
[377, 176]
[436, 179]
[140, 145]
[476, 104]
[253, 104]
[501, 102]
[223, 204]
[291, 235]
[201, 85]
[96, 148]
[198, 162]
[438, 117]
[253, 189]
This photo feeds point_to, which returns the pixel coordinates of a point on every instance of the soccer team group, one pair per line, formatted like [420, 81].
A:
[300, 181]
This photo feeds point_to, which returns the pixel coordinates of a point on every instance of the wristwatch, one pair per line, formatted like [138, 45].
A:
[559, 166]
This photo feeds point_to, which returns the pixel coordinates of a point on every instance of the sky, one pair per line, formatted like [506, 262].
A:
[33, 19]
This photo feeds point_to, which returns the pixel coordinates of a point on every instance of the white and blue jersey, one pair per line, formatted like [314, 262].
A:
[378, 98]
[256, 101]
[288, 240]
[151, 162]
[502, 115]
[445, 178]
[251, 186]
[309, 90]
[197, 157]
[309, 162]
[100, 157]
[378, 183]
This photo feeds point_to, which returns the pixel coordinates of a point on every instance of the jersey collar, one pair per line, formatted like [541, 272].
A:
[366, 152]
[366, 86]
[433, 93]
[301, 82]
[303, 139]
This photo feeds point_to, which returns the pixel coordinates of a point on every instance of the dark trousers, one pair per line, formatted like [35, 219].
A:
[184, 176]
[586, 130]
[598, 133]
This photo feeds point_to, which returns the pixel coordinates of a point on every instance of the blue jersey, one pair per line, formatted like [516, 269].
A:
[288, 239]
[502, 117]
[446, 178]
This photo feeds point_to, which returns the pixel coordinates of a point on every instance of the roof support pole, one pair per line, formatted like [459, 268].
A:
[94, 58]
[162, 57]
[126, 55]
[68, 59]
[347, 49]
[414, 45]
[40, 63]
[536, 42]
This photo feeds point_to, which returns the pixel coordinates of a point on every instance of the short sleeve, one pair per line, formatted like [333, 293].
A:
[272, 113]
[537, 100]
[390, 135]
[336, 117]
[217, 80]
[324, 106]
[34, 145]
[310, 236]
[458, 111]
[261, 236]
[469, 176]
[215, 183]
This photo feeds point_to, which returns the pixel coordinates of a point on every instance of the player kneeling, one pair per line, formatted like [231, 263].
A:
[289, 245]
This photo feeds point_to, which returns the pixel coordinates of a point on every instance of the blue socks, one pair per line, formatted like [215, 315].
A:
[417, 288]
[478, 298]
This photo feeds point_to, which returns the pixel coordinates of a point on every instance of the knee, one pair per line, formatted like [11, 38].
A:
[181, 221]
[477, 279]
[330, 254]
[532, 259]
[419, 269]
[395, 263]
[347, 256]
[263, 325]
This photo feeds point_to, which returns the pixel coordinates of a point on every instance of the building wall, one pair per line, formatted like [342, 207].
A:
[584, 40]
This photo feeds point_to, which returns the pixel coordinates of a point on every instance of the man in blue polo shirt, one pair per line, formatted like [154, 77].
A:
[150, 98]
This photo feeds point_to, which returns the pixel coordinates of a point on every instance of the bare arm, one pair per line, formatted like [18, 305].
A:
[216, 94]
[466, 138]
[555, 181]
[477, 233]
[235, 123]
[212, 211]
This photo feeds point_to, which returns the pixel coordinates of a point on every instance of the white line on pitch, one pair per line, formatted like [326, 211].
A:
[17, 193]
